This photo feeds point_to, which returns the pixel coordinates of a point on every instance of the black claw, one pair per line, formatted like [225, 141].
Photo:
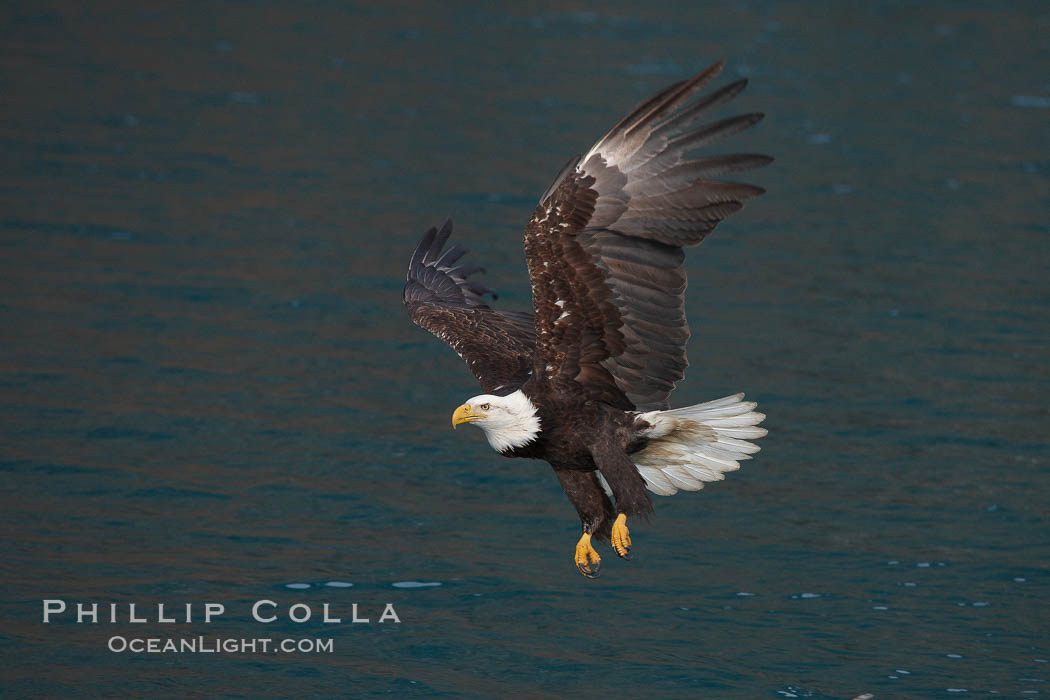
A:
[587, 571]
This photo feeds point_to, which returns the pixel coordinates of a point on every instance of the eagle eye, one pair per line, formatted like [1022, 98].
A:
[484, 407]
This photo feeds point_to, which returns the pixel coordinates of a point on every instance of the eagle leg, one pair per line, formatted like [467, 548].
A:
[595, 510]
[621, 536]
[628, 489]
[587, 560]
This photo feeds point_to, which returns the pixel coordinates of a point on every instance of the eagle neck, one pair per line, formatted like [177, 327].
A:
[520, 430]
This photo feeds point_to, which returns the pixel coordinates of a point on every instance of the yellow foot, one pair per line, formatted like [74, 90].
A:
[621, 537]
[587, 560]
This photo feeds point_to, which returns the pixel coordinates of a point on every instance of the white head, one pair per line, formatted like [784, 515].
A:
[508, 421]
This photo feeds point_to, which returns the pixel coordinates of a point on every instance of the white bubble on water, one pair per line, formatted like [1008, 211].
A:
[1037, 101]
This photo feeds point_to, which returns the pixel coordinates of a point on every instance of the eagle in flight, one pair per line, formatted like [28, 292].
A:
[583, 380]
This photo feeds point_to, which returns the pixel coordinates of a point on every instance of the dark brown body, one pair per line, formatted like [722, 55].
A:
[579, 437]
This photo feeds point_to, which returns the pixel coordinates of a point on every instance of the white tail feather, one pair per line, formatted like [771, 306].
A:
[692, 445]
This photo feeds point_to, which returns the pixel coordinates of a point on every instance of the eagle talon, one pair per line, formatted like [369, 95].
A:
[588, 572]
[587, 560]
[621, 537]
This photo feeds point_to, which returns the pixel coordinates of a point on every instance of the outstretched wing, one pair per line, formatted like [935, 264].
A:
[604, 246]
[441, 297]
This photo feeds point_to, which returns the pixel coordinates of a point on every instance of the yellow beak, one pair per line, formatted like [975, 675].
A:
[465, 414]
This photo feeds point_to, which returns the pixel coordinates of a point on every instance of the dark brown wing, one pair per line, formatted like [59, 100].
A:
[604, 247]
[441, 297]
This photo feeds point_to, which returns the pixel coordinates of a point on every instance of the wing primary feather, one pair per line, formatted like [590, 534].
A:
[685, 174]
[466, 270]
[678, 97]
[450, 256]
[714, 132]
[422, 248]
[685, 118]
[439, 241]
[640, 109]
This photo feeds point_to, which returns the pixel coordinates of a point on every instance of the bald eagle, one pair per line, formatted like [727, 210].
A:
[583, 380]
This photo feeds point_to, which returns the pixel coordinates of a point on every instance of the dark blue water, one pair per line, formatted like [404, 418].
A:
[209, 390]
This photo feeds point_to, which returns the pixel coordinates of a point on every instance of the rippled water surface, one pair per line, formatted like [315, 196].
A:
[209, 391]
